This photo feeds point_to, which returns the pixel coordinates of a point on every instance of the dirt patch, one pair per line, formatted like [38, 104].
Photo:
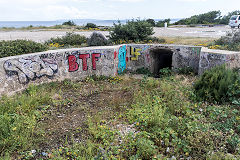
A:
[66, 121]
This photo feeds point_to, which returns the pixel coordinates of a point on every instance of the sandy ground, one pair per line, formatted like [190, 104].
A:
[41, 35]
[213, 32]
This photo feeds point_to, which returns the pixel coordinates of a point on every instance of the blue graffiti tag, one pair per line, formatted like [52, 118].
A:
[122, 59]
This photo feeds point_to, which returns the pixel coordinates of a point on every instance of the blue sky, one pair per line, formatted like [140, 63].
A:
[40, 10]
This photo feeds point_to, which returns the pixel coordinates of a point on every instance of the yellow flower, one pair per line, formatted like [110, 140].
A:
[14, 129]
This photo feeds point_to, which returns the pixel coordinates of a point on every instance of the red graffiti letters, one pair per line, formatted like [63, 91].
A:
[73, 64]
[115, 55]
[95, 58]
[84, 58]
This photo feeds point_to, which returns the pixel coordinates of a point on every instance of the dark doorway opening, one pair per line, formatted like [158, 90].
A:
[162, 58]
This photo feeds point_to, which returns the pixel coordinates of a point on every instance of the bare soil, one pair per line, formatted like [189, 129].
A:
[66, 121]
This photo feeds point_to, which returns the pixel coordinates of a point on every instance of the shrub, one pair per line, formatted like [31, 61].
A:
[161, 23]
[214, 84]
[229, 42]
[145, 148]
[91, 25]
[144, 71]
[69, 23]
[165, 72]
[151, 21]
[134, 30]
[97, 39]
[186, 70]
[18, 47]
[70, 39]
[234, 92]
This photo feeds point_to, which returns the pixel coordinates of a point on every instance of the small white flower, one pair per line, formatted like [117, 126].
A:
[33, 151]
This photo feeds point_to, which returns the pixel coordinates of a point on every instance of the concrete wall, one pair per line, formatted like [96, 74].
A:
[139, 55]
[210, 58]
[18, 72]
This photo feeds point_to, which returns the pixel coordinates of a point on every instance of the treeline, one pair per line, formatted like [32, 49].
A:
[212, 17]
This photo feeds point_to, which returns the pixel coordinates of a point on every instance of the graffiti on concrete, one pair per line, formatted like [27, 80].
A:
[196, 50]
[115, 54]
[147, 58]
[204, 62]
[72, 63]
[122, 58]
[95, 57]
[74, 66]
[135, 52]
[31, 68]
[84, 58]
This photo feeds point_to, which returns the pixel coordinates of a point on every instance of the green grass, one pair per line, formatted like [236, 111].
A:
[117, 118]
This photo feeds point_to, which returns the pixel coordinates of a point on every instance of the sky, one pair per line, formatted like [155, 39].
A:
[49, 10]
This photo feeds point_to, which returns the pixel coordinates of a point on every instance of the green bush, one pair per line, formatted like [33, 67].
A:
[70, 39]
[230, 42]
[165, 72]
[18, 47]
[145, 148]
[151, 21]
[214, 84]
[234, 92]
[161, 23]
[90, 25]
[134, 30]
[69, 23]
[186, 70]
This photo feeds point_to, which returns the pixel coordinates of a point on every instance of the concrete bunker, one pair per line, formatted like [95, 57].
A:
[161, 58]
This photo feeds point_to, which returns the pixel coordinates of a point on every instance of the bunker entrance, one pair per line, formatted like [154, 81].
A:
[162, 58]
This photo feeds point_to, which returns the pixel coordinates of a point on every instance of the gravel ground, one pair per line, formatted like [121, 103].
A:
[213, 32]
[38, 36]
[41, 36]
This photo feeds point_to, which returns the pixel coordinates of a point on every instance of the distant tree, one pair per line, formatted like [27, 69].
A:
[151, 21]
[161, 23]
[225, 19]
[69, 23]
[91, 25]
[206, 18]
[134, 30]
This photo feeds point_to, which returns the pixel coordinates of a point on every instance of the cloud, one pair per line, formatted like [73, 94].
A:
[127, 0]
[192, 0]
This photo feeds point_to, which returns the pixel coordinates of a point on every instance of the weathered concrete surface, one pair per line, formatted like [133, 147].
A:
[18, 72]
[183, 56]
[210, 58]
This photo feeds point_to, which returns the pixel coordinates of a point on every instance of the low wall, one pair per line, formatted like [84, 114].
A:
[210, 58]
[18, 72]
